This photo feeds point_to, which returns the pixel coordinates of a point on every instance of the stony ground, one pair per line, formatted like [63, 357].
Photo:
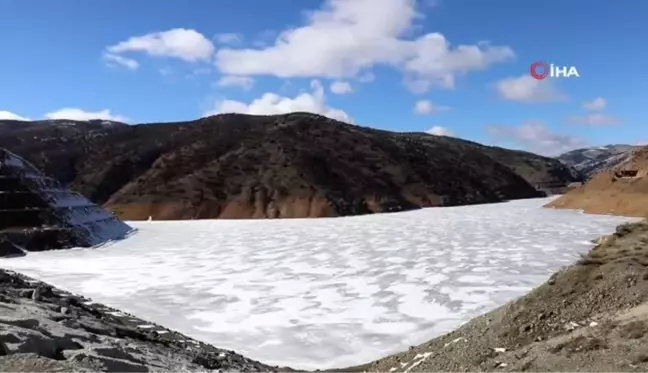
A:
[43, 329]
[591, 316]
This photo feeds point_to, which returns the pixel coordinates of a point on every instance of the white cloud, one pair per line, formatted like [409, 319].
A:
[347, 38]
[534, 136]
[341, 88]
[366, 77]
[598, 103]
[7, 115]
[594, 119]
[440, 131]
[244, 82]
[435, 62]
[186, 44]
[272, 103]
[527, 89]
[78, 114]
[114, 59]
[428, 107]
[228, 38]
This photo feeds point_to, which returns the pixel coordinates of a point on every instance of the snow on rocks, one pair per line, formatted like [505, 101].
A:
[571, 326]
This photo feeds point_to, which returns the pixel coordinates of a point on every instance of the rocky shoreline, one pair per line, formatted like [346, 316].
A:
[44, 329]
[590, 316]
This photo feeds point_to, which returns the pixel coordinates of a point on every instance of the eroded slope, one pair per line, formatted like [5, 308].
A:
[621, 190]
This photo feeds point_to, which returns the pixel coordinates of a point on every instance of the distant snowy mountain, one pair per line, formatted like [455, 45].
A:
[590, 161]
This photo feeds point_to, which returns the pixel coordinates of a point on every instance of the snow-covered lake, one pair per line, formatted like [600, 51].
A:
[321, 293]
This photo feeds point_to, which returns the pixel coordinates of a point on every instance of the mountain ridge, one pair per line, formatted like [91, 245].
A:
[290, 165]
[592, 160]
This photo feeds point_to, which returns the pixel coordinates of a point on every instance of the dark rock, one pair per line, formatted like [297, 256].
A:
[67, 342]
[526, 328]
[95, 327]
[209, 361]
[128, 332]
[623, 230]
[36, 294]
[8, 338]
[20, 322]
[7, 300]
[53, 307]
[71, 323]
[26, 293]
[9, 249]
[109, 364]
[29, 341]
[116, 353]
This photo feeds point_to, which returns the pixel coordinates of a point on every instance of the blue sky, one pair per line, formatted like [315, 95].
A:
[456, 67]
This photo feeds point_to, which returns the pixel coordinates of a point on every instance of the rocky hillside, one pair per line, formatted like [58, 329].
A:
[294, 165]
[620, 190]
[589, 161]
[52, 129]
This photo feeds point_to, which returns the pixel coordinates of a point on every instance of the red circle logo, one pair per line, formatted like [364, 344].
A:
[539, 70]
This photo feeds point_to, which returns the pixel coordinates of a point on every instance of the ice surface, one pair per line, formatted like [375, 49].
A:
[321, 293]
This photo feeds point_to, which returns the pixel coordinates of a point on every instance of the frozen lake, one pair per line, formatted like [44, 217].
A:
[321, 293]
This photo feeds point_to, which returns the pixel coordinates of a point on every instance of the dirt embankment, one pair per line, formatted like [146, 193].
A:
[591, 316]
[622, 190]
[256, 208]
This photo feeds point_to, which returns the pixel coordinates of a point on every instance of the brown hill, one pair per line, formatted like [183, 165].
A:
[621, 190]
[294, 165]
